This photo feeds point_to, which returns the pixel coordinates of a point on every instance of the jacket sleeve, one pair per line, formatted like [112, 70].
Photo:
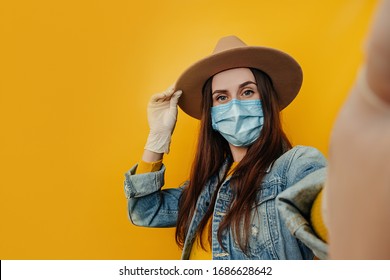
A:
[148, 205]
[304, 161]
[295, 203]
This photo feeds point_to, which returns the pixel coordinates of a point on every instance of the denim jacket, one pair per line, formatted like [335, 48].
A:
[269, 237]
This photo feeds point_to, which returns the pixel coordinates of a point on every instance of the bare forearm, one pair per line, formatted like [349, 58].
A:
[149, 156]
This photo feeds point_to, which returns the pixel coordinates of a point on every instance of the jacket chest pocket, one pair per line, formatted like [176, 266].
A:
[264, 231]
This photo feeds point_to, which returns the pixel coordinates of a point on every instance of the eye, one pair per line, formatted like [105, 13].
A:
[221, 98]
[248, 93]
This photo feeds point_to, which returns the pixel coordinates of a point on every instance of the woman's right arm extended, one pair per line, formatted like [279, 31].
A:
[358, 186]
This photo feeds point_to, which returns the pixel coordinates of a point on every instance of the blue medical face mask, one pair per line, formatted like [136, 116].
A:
[239, 122]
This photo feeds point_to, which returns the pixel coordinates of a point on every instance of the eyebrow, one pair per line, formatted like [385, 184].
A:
[244, 84]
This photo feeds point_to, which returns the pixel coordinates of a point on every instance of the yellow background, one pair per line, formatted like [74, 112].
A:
[75, 78]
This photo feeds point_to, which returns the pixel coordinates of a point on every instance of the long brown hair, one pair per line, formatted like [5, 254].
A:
[211, 153]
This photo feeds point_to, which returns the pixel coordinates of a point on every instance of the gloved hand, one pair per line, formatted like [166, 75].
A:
[162, 115]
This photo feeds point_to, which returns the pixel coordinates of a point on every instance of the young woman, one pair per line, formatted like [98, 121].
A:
[226, 210]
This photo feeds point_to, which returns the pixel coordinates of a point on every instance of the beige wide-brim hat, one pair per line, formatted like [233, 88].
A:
[231, 52]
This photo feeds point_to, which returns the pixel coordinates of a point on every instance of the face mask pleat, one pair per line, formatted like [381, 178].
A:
[239, 122]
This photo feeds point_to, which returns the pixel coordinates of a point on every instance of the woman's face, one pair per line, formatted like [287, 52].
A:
[237, 83]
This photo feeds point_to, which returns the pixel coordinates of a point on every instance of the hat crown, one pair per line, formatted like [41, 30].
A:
[228, 43]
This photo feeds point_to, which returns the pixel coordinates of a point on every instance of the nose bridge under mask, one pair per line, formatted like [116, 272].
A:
[235, 107]
[245, 108]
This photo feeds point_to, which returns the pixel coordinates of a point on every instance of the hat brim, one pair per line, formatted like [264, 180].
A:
[284, 71]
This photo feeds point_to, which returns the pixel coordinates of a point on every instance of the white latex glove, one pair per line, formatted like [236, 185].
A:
[162, 115]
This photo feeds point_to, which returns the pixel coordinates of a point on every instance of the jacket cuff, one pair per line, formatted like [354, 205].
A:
[294, 206]
[138, 185]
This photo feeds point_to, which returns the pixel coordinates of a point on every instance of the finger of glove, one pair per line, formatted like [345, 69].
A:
[175, 98]
[163, 96]
[158, 98]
